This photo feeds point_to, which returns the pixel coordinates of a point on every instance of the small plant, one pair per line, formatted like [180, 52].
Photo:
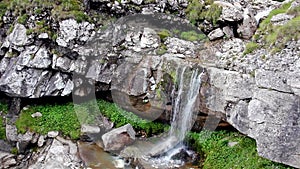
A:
[2, 129]
[250, 47]
[162, 49]
[23, 18]
[14, 151]
[192, 36]
[196, 12]
[164, 34]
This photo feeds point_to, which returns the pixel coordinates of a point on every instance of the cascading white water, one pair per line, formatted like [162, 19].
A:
[184, 99]
[184, 103]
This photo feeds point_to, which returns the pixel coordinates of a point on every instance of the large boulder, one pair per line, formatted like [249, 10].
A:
[117, 138]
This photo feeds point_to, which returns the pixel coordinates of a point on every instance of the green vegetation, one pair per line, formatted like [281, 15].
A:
[275, 37]
[196, 12]
[55, 118]
[121, 117]
[192, 36]
[250, 47]
[3, 109]
[217, 154]
[63, 118]
[2, 129]
[164, 34]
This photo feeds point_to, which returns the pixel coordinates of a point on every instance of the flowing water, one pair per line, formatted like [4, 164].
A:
[185, 95]
[162, 153]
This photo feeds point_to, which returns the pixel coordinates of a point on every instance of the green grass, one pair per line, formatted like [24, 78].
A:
[192, 36]
[250, 47]
[2, 129]
[197, 13]
[213, 146]
[3, 109]
[55, 118]
[121, 117]
[64, 119]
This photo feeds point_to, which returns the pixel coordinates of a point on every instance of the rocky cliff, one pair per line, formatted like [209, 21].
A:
[251, 62]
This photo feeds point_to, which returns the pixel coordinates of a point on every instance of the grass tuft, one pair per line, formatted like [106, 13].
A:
[217, 154]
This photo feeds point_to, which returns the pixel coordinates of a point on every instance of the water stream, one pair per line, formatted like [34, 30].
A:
[184, 94]
[162, 152]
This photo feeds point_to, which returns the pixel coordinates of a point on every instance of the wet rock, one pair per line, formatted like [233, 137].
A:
[118, 138]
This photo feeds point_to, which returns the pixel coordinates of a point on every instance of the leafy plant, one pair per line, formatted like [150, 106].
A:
[218, 154]
[2, 129]
[54, 118]
[196, 12]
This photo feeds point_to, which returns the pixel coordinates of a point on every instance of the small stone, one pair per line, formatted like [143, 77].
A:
[119, 163]
[215, 34]
[52, 134]
[43, 36]
[89, 129]
[231, 144]
[36, 114]
[41, 141]
[9, 162]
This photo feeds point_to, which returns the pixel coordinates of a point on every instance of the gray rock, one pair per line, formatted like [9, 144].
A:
[11, 133]
[118, 138]
[8, 162]
[43, 36]
[149, 39]
[247, 29]
[89, 129]
[18, 36]
[228, 32]
[41, 141]
[230, 12]
[23, 141]
[36, 114]
[272, 80]
[281, 19]
[52, 134]
[215, 34]
[59, 154]
[179, 46]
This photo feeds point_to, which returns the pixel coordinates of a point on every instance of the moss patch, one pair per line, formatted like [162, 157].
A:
[250, 47]
[218, 154]
[197, 13]
[192, 36]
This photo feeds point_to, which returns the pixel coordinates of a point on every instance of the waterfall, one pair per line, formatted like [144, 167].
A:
[184, 97]
[184, 103]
